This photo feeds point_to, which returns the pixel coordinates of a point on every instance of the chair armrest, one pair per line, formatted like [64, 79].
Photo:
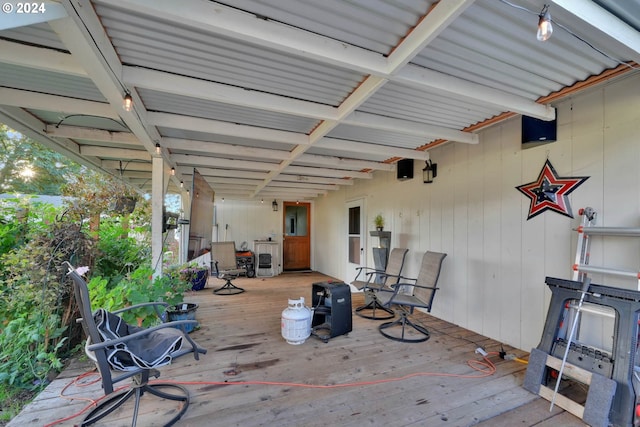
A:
[426, 287]
[136, 335]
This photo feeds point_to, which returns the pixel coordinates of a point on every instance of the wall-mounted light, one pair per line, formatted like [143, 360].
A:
[274, 205]
[158, 149]
[429, 172]
[127, 102]
[545, 29]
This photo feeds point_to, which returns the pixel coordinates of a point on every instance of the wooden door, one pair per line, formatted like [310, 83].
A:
[296, 249]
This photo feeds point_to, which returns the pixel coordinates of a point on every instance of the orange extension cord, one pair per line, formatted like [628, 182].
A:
[485, 368]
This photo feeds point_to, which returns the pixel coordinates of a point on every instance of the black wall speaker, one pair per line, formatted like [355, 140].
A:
[536, 131]
[405, 169]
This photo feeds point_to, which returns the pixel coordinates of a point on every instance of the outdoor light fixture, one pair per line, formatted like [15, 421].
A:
[545, 29]
[429, 172]
[173, 171]
[274, 205]
[158, 149]
[181, 184]
[127, 102]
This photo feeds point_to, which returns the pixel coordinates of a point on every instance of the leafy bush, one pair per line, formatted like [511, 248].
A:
[136, 288]
[118, 252]
[36, 305]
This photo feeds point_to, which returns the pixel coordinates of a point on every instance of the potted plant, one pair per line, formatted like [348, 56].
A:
[378, 221]
[195, 274]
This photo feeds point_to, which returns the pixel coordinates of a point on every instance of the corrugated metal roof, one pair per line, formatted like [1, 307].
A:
[355, 81]
[42, 81]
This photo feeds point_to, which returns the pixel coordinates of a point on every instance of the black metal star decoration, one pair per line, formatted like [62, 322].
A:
[550, 192]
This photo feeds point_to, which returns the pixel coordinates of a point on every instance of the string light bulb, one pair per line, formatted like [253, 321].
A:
[545, 29]
[127, 102]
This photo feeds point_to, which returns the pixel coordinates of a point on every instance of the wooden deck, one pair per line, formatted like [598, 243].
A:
[244, 342]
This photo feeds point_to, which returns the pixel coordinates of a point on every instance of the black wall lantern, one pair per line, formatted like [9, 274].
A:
[274, 205]
[429, 172]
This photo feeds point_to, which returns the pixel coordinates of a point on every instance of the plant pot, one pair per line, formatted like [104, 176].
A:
[199, 280]
[184, 311]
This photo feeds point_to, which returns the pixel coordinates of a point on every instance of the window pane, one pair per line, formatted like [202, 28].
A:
[354, 220]
[354, 250]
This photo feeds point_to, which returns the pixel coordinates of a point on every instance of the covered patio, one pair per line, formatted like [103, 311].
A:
[366, 378]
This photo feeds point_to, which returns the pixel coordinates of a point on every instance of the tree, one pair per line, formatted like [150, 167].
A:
[28, 167]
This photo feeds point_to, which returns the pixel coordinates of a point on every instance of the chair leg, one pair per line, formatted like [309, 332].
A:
[373, 306]
[228, 288]
[137, 391]
[402, 322]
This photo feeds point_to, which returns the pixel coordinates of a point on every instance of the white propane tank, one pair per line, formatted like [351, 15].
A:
[296, 322]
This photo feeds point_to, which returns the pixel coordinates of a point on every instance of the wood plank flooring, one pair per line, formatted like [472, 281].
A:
[361, 370]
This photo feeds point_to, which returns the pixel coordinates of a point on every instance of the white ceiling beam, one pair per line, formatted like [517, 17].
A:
[326, 172]
[238, 181]
[90, 134]
[308, 186]
[601, 20]
[343, 163]
[291, 193]
[320, 180]
[437, 20]
[114, 153]
[43, 101]
[369, 148]
[29, 125]
[232, 23]
[126, 166]
[84, 36]
[192, 160]
[224, 149]
[197, 124]
[423, 78]
[373, 121]
[250, 28]
[213, 172]
[40, 58]
[201, 89]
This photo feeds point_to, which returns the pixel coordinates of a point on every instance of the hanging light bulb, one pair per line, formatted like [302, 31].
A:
[181, 184]
[173, 171]
[127, 102]
[545, 29]
[158, 149]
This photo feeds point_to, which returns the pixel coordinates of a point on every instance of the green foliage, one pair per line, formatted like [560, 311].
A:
[118, 252]
[135, 288]
[30, 168]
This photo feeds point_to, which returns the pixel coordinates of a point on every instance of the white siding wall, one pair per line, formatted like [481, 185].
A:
[493, 278]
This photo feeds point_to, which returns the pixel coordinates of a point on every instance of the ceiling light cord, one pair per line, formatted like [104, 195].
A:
[545, 9]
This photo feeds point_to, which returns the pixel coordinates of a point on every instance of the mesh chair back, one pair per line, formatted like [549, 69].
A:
[428, 276]
[225, 254]
[394, 265]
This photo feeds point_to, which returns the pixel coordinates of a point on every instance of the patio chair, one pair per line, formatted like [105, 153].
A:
[122, 351]
[224, 263]
[409, 294]
[370, 285]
